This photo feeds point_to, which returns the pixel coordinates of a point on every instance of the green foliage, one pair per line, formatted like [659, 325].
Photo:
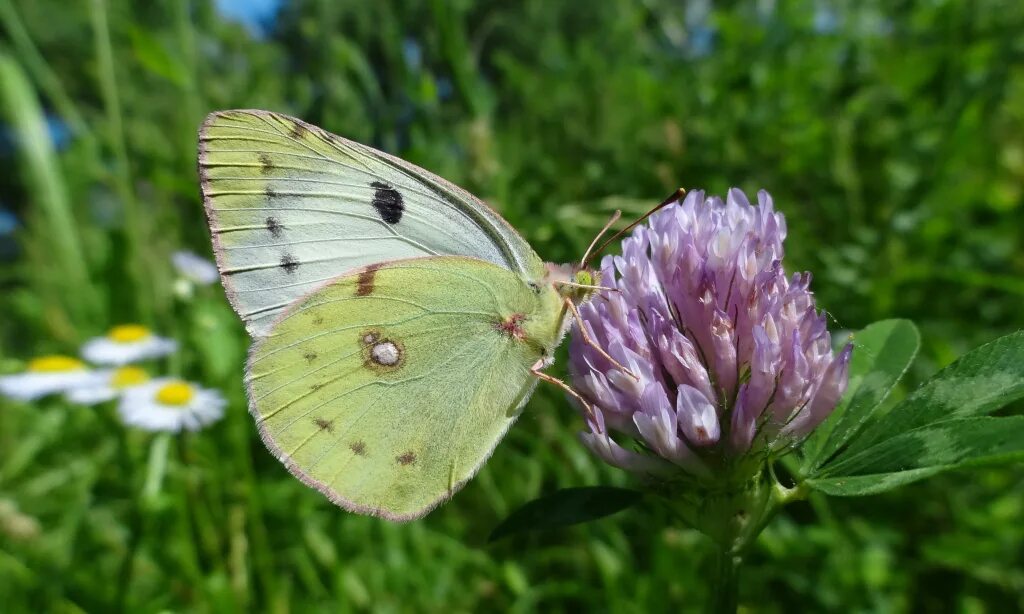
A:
[882, 353]
[889, 134]
[936, 427]
[922, 453]
[566, 507]
[980, 382]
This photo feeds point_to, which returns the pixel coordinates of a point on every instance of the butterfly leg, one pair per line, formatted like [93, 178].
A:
[586, 339]
[536, 370]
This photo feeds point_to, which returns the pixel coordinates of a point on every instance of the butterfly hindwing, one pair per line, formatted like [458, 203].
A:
[389, 387]
[291, 206]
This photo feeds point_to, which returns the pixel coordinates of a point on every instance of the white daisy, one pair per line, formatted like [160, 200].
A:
[168, 404]
[125, 344]
[47, 375]
[111, 384]
[195, 268]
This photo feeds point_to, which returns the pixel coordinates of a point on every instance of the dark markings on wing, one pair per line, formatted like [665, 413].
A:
[364, 285]
[407, 458]
[324, 425]
[289, 263]
[266, 164]
[388, 202]
[274, 226]
[358, 448]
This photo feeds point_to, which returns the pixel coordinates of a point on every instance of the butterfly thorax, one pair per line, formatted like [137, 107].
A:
[544, 328]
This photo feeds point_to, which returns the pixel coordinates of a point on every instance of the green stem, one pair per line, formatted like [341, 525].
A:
[40, 70]
[779, 496]
[135, 526]
[134, 231]
[725, 589]
[49, 195]
[192, 102]
[733, 517]
[190, 556]
[156, 468]
[248, 494]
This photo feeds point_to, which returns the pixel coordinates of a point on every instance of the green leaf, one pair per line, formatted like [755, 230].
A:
[925, 452]
[881, 355]
[861, 485]
[214, 335]
[155, 57]
[979, 383]
[566, 507]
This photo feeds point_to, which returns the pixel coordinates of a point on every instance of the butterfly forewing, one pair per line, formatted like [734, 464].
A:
[292, 206]
[388, 388]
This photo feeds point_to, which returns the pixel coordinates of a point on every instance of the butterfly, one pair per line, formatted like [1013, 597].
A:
[399, 323]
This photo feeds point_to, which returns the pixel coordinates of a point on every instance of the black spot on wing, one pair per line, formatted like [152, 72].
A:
[289, 263]
[266, 164]
[388, 202]
[274, 227]
[298, 130]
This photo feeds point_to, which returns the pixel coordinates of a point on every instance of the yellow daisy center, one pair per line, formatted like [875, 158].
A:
[54, 364]
[175, 393]
[128, 376]
[128, 333]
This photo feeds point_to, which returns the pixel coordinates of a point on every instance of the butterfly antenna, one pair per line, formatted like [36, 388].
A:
[677, 195]
[573, 284]
[615, 218]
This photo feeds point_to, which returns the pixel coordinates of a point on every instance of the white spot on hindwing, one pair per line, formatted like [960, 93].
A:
[385, 353]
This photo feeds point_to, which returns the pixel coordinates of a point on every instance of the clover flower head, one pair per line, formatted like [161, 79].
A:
[173, 405]
[125, 344]
[730, 353]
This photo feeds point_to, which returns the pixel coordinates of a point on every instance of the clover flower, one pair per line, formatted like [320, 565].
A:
[48, 375]
[730, 355]
[172, 405]
[107, 386]
[125, 344]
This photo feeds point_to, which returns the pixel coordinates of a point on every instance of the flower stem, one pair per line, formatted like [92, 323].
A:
[135, 521]
[779, 496]
[725, 589]
[135, 229]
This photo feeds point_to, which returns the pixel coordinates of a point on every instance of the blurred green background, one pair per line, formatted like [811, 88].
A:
[891, 134]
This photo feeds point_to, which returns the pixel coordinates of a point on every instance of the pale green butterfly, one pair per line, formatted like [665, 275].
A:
[400, 324]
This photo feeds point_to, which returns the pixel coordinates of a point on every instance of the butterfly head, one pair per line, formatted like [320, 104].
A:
[577, 283]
